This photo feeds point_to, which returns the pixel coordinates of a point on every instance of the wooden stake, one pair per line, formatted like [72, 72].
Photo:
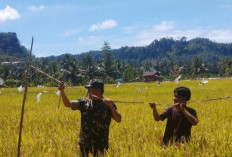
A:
[24, 99]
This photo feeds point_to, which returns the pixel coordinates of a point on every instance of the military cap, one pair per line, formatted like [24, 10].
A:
[96, 84]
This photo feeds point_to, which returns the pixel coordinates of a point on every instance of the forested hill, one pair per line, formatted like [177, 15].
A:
[10, 47]
[194, 58]
[172, 49]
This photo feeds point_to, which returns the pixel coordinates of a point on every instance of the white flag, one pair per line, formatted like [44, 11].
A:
[177, 79]
[58, 93]
[203, 81]
[118, 84]
[20, 88]
[38, 97]
[1, 81]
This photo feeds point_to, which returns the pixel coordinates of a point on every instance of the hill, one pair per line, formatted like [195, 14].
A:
[176, 50]
[195, 58]
[10, 47]
[172, 49]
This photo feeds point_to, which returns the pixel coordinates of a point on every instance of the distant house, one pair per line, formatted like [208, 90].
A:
[10, 63]
[6, 63]
[151, 76]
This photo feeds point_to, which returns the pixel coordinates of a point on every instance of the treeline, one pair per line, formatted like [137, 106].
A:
[192, 59]
[172, 49]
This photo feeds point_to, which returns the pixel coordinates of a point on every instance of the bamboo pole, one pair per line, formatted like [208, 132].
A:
[24, 99]
[42, 72]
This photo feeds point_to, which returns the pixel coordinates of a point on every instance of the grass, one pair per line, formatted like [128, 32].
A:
[49, 131]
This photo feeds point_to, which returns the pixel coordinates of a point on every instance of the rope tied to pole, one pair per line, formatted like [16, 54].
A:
[41, 71]
[130, 102]
[143, 102]
[212, 99]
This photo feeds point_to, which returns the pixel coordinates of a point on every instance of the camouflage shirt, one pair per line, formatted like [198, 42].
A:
[95, 122]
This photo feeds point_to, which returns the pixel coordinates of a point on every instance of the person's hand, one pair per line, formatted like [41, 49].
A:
[108, 102]
[152, 105]
[179, 106]
[61, 86]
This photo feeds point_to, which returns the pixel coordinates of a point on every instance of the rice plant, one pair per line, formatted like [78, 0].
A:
[49, 131]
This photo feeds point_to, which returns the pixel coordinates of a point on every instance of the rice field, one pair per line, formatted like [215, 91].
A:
[49, 131]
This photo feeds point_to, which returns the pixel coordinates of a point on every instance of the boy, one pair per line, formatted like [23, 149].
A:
[180, 118]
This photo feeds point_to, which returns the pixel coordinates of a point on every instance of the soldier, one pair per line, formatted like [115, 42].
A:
[96, 112]
[180, 118]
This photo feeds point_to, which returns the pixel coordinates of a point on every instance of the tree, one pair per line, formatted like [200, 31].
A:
[226, 67]
[106, 47]
[196, 66]
[120, 67]
[90, 67]
[107, 65]
[130, 74]
[69, 67]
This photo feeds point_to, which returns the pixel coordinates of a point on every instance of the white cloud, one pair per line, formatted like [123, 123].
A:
[221, 35]
[158, 31]
[91, 40]
[164, 26]
[108, 24]
[228, 6]
[81, 40]
[71, 32]
[168, 29]
[36, 8]
[130, 29]
[8, 14]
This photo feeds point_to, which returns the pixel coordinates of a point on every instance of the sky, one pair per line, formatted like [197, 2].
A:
[77, 26]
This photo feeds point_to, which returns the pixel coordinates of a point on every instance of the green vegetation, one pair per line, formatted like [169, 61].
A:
[49, 131]
[192, 59]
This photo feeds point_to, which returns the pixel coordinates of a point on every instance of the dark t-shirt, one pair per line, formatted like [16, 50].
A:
[178, 128]
[95, 122]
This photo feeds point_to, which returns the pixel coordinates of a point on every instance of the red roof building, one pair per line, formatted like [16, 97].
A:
[151, 76]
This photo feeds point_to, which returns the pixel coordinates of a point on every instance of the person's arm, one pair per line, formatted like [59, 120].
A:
[190, 117]
[115, 114]
[65, 99]
[193, 120]
[155, 113]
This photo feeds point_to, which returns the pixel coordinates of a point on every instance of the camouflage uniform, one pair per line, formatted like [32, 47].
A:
[95, 122]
